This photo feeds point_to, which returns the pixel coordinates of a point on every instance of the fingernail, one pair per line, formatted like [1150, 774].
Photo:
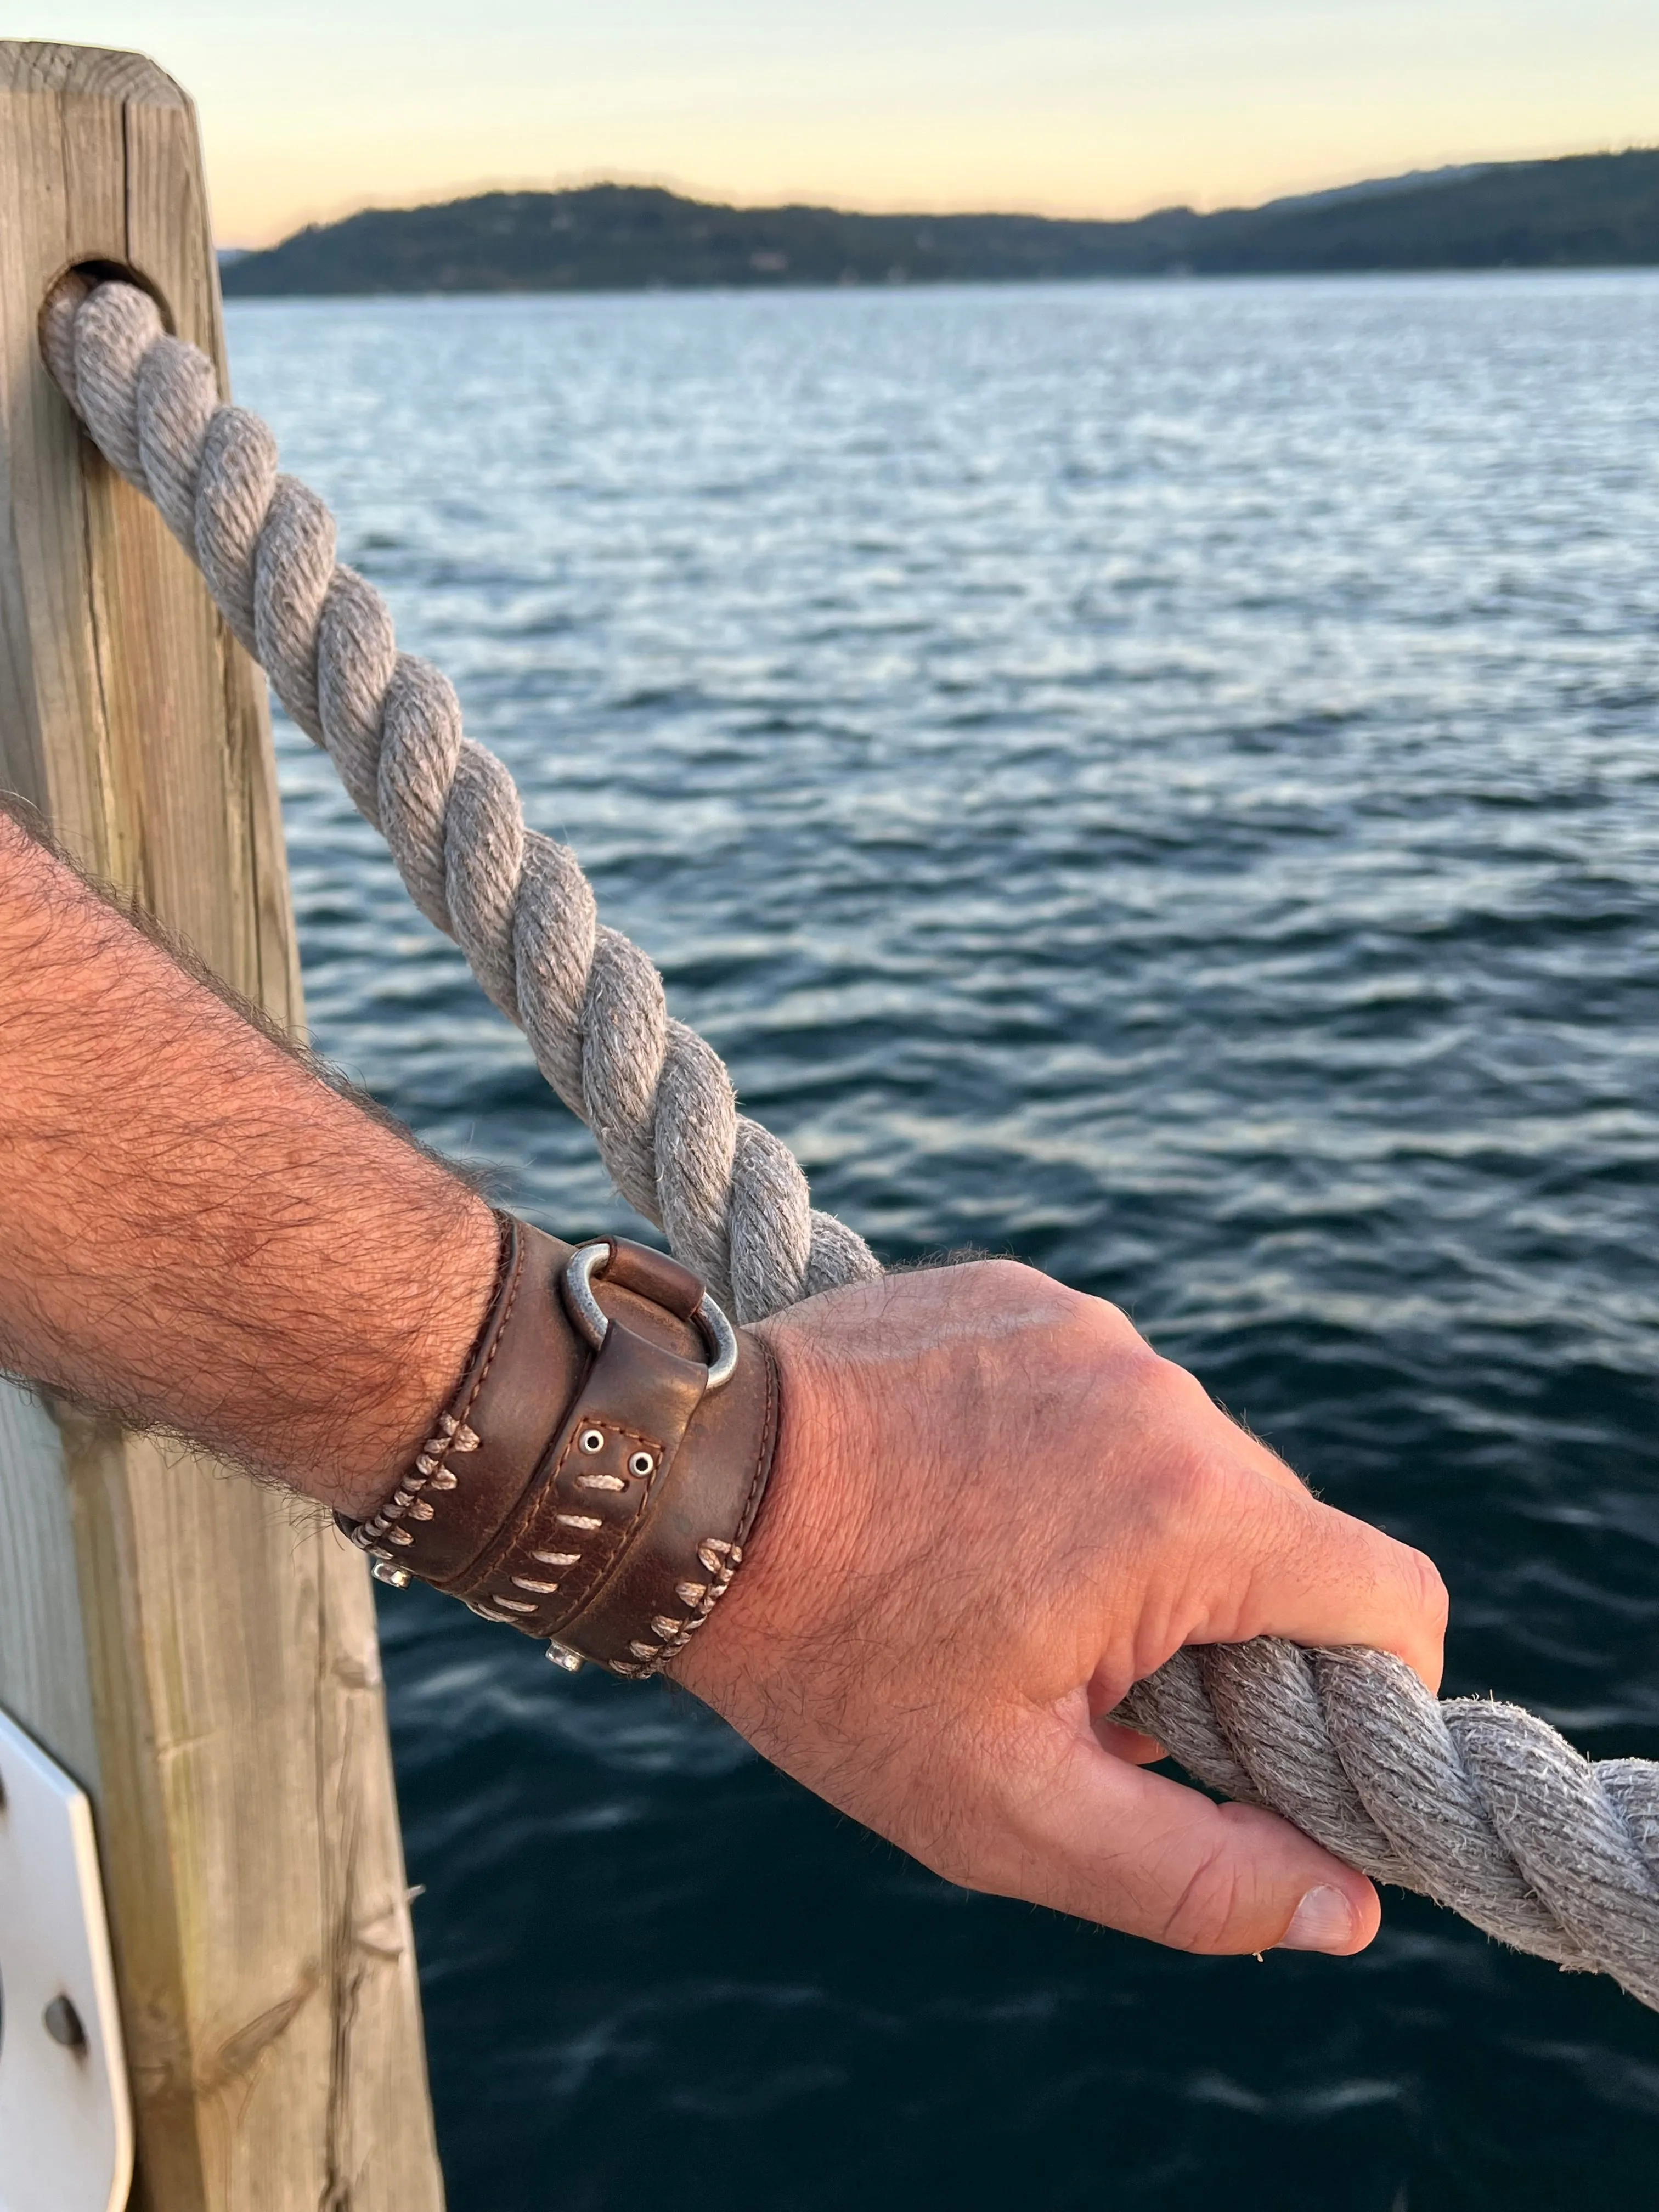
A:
[1323, 1922]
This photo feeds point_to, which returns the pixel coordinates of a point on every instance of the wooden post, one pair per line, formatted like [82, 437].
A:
[199, 1652]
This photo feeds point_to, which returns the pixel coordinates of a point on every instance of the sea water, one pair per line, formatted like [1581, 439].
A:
[1162, 779]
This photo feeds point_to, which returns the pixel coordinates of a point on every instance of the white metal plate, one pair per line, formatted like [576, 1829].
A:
[65, 2121]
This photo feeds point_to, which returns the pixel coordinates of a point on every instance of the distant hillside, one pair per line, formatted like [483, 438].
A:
[1591, 210]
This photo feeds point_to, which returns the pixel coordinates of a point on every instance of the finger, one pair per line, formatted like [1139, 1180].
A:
[1316, 1576]
[1123, 1742]
[1090, 1835]
[1128, 1743]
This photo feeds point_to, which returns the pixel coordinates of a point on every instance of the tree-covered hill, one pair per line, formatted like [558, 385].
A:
[1586, 211]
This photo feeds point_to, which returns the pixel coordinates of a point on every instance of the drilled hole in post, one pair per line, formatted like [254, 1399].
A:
[76, 280]
[119, 272]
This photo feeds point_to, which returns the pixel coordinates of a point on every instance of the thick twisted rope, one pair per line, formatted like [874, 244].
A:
[1482, 1807]
[1479, 1806]
[729, 1195]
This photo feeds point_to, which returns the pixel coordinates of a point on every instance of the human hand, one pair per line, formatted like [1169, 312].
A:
[994, 1507]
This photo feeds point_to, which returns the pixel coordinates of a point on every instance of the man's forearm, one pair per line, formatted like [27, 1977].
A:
[201, 1235]
[992, 1508]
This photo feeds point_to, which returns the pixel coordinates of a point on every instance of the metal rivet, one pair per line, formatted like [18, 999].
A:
[593, 1440]
[63, 2024]
[562, 1656]
[393, 1577]
[641, 1464]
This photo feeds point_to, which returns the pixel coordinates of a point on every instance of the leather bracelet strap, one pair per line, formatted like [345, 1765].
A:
[599, 1498]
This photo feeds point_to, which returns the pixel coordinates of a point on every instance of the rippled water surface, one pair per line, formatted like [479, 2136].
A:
[1163, 780]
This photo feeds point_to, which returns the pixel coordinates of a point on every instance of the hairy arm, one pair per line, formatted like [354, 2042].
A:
[200, 1233]
[994, 1506]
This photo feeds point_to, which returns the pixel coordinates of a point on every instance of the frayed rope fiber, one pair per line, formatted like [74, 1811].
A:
[1479, 1806]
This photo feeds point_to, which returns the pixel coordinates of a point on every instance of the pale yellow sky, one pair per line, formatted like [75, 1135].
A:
[1063, 107]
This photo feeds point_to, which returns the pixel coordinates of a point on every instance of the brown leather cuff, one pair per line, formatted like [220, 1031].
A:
[599, 1498]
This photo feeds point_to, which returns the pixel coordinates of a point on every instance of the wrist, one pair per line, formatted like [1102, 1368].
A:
[389, 1427]
[593, 1477]
[805, 1567]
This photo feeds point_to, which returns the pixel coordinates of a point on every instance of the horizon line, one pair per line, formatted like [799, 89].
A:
[583, 180]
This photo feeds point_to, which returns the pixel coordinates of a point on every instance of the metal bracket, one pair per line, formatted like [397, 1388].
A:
[65, 2119]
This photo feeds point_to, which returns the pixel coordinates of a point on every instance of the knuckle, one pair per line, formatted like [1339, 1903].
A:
[1203, 1915]
[1166, 1393]
[1073, 1326]
[1425, 1588]
[996, 1273]
[1180, 1391]
[1113, 1332]
[1089, 1331]
[1031, 1289]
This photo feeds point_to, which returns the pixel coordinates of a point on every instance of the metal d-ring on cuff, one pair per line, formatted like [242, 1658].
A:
[594, 1323]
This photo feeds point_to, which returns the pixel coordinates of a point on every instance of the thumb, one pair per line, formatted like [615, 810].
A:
[1091, 1835]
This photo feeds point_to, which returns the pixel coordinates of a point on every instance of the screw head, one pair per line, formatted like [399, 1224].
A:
[63, 2024]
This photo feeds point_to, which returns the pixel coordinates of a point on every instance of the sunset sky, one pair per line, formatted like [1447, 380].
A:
[313, 107]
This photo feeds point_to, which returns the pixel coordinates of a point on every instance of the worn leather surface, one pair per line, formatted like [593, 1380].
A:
[599, 1499]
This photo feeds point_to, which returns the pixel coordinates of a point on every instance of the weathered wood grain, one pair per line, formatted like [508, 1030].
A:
[199, 1651]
